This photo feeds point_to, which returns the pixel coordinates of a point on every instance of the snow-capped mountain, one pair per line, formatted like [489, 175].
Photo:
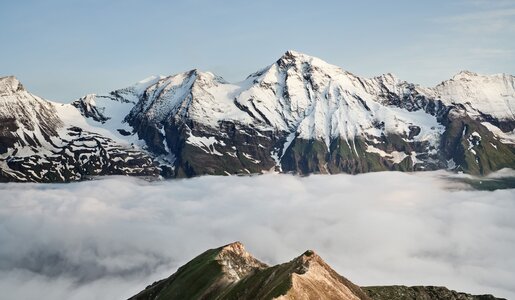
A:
[299, 115]
[487, 97]
[44, 141]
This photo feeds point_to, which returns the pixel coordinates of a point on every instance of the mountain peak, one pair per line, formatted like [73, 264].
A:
[463, 74]
[293, 53]
[236, 248]
[306, 259]
[236, 262]
[10, 85]
[388, 78]
[294, 57]
[308, 255]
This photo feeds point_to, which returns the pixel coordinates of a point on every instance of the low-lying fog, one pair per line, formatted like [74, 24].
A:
[109, 238]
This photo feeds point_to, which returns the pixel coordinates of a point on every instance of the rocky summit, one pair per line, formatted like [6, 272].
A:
[298, 115]
[230, 272]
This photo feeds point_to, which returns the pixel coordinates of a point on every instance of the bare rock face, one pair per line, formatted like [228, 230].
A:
[314, 279]
[230, 272]
[236, 262]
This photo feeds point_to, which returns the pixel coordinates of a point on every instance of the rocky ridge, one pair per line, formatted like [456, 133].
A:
[229, 272]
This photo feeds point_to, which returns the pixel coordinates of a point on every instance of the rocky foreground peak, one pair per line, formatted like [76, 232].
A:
[305, 277]
[236, 274]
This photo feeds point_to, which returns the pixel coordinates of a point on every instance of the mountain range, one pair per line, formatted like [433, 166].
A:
[230, 272]
[298, 115]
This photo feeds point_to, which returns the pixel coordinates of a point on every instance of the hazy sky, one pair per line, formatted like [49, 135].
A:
[108, 239]
[63, 49]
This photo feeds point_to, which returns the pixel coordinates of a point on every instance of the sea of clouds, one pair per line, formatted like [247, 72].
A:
[109, 238]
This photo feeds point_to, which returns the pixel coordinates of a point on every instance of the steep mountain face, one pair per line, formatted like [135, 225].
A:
[48, 142]
[299, 115]
[229, 272]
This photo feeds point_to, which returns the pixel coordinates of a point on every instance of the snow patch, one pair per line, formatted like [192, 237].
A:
[394, 156]
[252, 159]
[207, 144]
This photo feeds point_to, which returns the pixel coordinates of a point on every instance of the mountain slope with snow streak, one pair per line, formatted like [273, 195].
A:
[43, 141]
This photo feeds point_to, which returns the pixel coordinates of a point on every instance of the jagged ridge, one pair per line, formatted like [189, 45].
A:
[229, 272]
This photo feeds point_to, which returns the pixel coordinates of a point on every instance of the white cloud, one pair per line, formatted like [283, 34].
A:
[484, 15]
[482, 21]
[108, 239]
[490, 52]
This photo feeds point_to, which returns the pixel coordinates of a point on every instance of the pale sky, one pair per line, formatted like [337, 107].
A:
[64, 49]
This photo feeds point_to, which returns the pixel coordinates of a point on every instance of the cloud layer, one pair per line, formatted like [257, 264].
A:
[108, 239]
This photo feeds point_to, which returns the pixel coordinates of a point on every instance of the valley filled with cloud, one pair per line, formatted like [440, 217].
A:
[109, 238]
